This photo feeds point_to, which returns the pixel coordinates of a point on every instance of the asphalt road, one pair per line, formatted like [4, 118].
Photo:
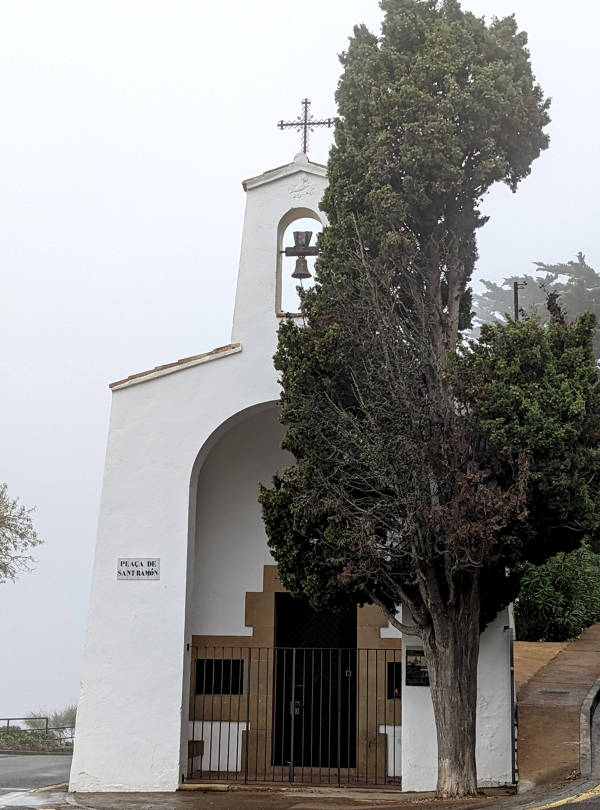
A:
[24, 772]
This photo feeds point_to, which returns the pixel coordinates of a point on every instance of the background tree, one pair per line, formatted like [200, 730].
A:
[576, 283]
[396, 497]
[61, 722]
[17, 537]
[560, 598]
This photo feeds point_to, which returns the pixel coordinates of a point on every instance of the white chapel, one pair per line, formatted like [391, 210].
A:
[198, 666]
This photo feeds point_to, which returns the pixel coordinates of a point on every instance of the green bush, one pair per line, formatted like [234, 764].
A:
[18, 739]
[560, 598]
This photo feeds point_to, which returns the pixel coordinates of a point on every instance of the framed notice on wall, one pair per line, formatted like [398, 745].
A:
[416, 667]
[138, 568]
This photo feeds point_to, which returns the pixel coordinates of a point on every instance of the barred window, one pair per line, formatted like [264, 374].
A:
[218, 676]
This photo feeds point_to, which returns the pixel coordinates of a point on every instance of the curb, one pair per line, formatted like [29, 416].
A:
[578, 797]
[10, 797]
[585, 729]
[12, 752]
[49, 787]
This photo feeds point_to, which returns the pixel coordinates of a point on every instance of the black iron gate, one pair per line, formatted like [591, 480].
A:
[316, 715]
[314, 708]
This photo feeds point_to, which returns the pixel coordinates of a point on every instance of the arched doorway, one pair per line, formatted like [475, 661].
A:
[277, 691]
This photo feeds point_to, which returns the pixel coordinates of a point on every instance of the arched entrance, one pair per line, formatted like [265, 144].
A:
[277, 691]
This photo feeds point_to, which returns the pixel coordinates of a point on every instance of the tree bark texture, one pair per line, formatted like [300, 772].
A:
[451, 650]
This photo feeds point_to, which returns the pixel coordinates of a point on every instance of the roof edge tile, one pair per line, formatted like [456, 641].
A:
[178, 365]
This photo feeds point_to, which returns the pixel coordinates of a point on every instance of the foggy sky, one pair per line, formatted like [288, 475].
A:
[127, 127]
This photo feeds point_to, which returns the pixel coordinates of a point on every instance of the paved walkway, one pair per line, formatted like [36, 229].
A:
[549, 708]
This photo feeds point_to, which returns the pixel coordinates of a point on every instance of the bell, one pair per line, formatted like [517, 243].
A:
[302, 239]
[301, 269]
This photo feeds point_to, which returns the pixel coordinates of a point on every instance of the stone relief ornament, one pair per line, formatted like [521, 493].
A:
[302, 188]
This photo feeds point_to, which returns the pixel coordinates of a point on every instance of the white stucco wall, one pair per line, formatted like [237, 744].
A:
[131, 733]
[494, 723]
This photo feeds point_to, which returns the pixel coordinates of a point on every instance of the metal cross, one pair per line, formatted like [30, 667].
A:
[305, 123]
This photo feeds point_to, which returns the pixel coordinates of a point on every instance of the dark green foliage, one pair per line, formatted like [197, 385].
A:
[550, 606]
[560, 598]
[535, 390]
[431, 115]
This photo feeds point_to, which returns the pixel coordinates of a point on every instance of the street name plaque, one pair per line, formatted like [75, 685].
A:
[138, 568]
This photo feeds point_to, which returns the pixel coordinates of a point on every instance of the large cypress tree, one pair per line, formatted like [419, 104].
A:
[402, 494]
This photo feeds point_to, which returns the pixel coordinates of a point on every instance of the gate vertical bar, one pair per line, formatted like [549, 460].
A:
[388, 731]
[367, 728]
[396, 686]
[231, 687]
[358, 682]
[248, 715]
[237, 729]
[194, 689]
[312, 712]
[221, 710]
[293, 715]
[329, 723]
[275, 701]
[212, 707]
[390, 774]
[320, 715]
[267, 713]
[283, 690]
[303, 711]
[513, 708]
[258, 687]
[203, 760]
[349, 677]
[376, 717]
[339, 717]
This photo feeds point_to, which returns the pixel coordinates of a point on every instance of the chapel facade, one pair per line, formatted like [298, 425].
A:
[198, 665]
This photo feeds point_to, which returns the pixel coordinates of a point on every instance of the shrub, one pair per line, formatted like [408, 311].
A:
[560, 598]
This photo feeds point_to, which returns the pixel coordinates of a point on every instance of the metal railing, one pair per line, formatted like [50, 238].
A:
[308, 715]
[44, 733]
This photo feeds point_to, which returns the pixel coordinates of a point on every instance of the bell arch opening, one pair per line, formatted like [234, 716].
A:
[300, 220]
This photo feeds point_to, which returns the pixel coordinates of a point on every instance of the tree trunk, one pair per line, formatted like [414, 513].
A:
[452, 651]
